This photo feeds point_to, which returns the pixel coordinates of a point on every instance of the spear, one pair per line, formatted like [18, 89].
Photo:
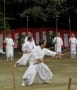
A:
[70, 25]
[4, 18]
[27, 24]
[13, 70]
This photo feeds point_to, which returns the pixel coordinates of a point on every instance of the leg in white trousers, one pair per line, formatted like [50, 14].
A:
[29, 75]
[23, 60]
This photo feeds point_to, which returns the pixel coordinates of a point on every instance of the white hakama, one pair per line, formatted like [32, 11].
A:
[44, 72]
[58, 44]
[9, 47]
[30, 74]
[23, 60]
[41, 69]
[9, 51]
[73, 43]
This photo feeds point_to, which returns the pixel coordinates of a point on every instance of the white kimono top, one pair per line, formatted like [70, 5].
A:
[28, 46]
[58, 41]
[26, 39]
[9, 42]
[73, 41]
[39, 53]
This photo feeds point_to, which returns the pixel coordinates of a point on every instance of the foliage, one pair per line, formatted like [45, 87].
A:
[50, 38]
[40, 12]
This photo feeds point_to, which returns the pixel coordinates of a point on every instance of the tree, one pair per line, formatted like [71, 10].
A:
[40, 12]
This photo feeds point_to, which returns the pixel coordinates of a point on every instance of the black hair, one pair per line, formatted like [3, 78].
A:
[41, 42]
[29, 38]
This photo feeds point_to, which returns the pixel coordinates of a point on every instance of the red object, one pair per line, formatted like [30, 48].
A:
[34, 30]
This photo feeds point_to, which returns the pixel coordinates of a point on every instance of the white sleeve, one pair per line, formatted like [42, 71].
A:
[24, 47]
[5, 40]
[76, 41]
[26, 38]
[12, 41]
[34, 45]
[61, 41]
[69, 39]
[54, 40]
[49, 52]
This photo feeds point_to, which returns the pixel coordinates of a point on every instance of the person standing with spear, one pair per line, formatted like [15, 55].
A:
[58, 45]
[58, 40]
[7, 40]
[72, 42]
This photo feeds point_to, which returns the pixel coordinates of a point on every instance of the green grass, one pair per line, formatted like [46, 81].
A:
[62, 70]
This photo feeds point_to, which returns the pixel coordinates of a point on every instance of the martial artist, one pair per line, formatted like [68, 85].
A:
[73, 44]
[58, 45]
[9, 47]
[37, 66]
[27, 48]
[29, 35]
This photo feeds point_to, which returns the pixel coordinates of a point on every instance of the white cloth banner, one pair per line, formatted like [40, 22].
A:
[1, 41]
[16, 40]
[44, 35]
[66, 40]
[1, 44]
[37, 38]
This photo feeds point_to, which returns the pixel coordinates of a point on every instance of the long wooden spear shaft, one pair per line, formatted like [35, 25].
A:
[4, 18]
[13, 70]
[27, 24]
[69, 84]
[5, 34]
[70, 25]
[56, 17]
[56, 24]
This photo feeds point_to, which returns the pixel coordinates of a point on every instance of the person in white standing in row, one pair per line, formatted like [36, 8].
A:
[37, 66]
[73, 45]
[58, 44]
[27, 48]
[9, 47]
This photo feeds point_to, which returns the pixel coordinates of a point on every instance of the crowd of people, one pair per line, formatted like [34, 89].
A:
[34, 55]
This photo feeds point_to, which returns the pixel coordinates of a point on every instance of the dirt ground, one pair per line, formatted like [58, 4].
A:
[62, 70]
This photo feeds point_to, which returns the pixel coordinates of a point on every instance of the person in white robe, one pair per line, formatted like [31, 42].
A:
[37, 66]
[73, 44]
[9, 47]
[27, 48]
[58, 44]
[29, 35]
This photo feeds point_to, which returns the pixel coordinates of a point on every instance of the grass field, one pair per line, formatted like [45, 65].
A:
[62, 70]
